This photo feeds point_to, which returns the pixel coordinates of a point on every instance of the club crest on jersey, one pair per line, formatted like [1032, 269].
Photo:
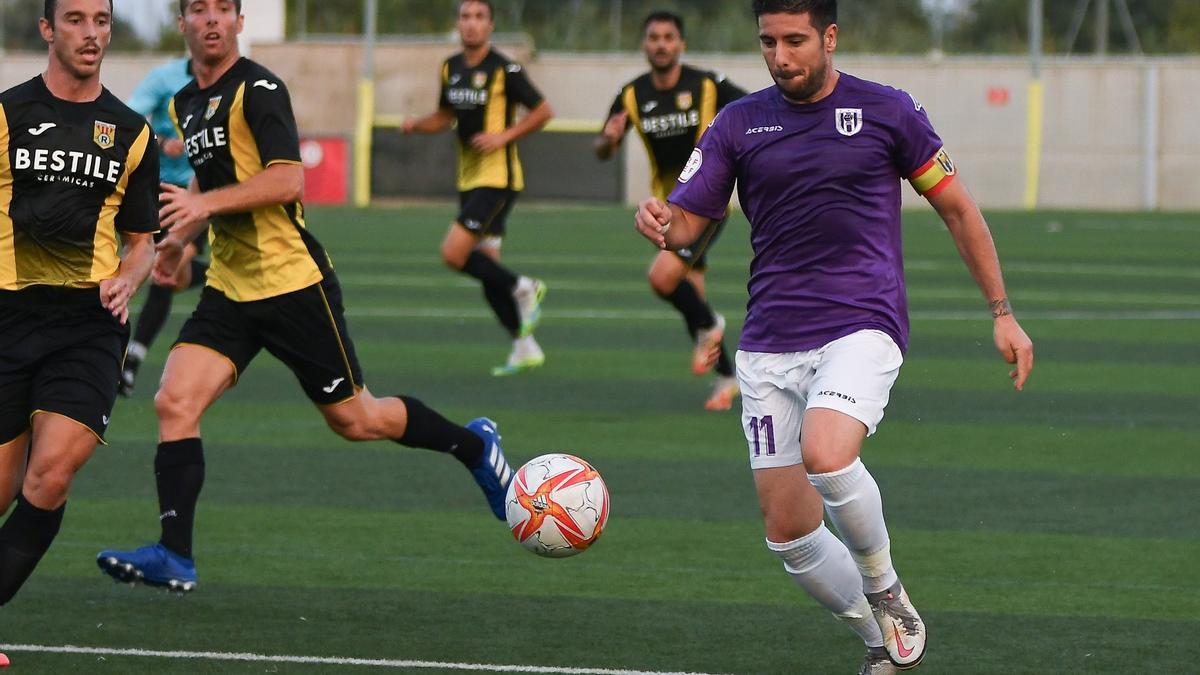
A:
[683, 100]
[213, 104]
[478, 80]
[849, 121]
[104, 134]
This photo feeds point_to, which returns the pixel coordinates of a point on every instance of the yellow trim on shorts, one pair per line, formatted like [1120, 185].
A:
[338, 334]
[236, 374]
[39, 411]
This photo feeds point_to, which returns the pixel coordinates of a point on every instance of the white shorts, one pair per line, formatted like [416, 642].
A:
[853, 375]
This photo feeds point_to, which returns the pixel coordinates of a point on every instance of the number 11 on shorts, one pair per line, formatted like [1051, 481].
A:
[765, 425]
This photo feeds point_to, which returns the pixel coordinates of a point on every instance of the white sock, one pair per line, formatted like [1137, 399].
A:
[855, 508]
[136, 350]
[524, 286]
[820, 564]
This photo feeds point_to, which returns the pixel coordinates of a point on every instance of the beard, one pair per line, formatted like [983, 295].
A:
[654, 65]
[813, 84]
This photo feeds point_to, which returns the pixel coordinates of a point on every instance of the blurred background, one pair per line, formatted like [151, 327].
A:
[1083, 104]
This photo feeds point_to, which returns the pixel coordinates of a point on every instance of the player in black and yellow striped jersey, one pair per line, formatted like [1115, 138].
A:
[480, 91]
[78, 183]
[270, 286]
[670, 107]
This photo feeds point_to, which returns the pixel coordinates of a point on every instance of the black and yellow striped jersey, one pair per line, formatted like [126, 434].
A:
[72, 175]
[233, 130]
[671, 121]
[484, 99]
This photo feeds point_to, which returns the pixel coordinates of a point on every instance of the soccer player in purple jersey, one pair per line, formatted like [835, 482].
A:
[818, 160]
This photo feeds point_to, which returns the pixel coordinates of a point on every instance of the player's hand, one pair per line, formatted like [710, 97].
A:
[180, 207]
[115, 294]
[614, 128]
[1016, 348]
[168, 255]
[172, 147]
[408, 126]
[485, 143]
[652, 221]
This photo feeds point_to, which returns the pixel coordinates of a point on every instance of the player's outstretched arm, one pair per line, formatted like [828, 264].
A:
[433, 123]
[974, 241]
[668, 226]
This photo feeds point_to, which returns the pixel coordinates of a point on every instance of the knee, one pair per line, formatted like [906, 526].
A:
[47, 488]
[454, 258]
[354, 427]
[175, 405]
[663, 285]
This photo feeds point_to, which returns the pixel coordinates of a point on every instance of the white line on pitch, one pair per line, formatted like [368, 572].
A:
[327, 660]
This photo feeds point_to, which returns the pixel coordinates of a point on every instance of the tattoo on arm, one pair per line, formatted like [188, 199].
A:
[1001, 307]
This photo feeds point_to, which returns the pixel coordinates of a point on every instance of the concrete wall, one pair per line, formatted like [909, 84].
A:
[1094, 132]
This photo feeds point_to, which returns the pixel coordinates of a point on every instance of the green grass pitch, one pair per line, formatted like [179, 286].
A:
[1054, 531]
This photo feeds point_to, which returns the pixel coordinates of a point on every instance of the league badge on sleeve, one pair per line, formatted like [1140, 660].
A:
[849, 121]
[104, 134]
[693, 165]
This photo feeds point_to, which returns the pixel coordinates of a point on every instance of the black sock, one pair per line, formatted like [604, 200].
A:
[724, 366]
[428, 430]
[488, 271]
[179, 472]
[696, 312]
[154, 314]
[199, 273]
[505, 307]
[24, 539]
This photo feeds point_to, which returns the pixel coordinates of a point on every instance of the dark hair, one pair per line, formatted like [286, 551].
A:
[51, 6]
[663, 16]
[184, 3]
[491, 7]
[823, 13]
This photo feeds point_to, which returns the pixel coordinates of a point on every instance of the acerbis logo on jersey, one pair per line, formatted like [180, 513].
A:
[693, 166]
[763, 130]
[849, 121]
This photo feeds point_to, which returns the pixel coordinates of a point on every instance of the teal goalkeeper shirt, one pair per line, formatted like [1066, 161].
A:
[152, 99]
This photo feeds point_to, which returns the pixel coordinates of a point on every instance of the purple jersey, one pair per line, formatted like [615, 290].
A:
[820, 185]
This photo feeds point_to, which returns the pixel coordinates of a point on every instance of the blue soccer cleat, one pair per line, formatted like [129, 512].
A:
[492, 471]
[153, 565]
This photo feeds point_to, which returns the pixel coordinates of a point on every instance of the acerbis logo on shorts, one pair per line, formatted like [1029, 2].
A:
[693, 165]
[836, 394]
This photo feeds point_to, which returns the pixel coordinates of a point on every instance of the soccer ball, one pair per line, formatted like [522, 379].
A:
[557, 505]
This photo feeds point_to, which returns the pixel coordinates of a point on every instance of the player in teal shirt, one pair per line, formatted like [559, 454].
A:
[151, 99]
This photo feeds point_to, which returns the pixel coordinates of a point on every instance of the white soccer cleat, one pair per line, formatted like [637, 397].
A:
[708, 346]
[904, 633]
[525, 355]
